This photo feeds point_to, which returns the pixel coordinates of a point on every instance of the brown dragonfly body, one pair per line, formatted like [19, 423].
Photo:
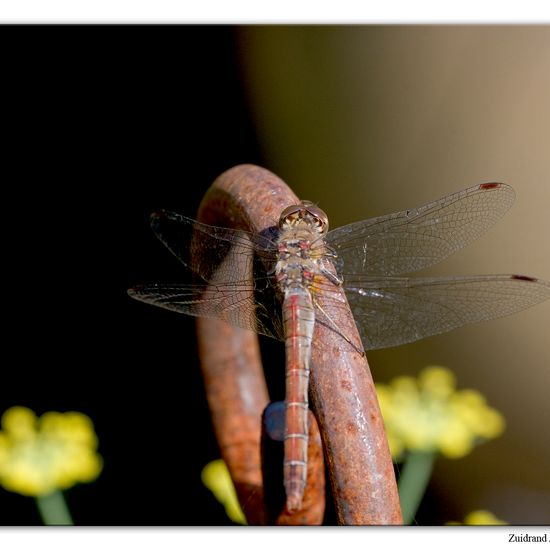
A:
[302, 260]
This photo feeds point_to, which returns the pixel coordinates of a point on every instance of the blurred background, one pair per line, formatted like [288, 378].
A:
[104, 125]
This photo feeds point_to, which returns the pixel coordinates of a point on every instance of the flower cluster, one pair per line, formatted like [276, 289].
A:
[41, 455]
[428, 414]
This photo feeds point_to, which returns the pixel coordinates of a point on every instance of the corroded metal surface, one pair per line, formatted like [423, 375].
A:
[237, 395]
[347, 411]
[342, 390]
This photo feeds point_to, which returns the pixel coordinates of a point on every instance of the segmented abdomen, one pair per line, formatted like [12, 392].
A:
[299, 320]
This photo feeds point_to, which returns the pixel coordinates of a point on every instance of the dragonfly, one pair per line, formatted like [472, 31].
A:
[271, 282]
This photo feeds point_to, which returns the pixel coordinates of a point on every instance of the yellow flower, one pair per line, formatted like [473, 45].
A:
[215, 476]
[480, 517]
[429, 414]
[42, 455]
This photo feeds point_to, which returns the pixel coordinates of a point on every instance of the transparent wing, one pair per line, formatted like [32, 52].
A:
[411, 240]
[233, 267]
[235, 303]
[203, 248]
[395, 311]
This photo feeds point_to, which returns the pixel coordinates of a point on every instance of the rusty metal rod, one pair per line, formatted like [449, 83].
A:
[343, 396]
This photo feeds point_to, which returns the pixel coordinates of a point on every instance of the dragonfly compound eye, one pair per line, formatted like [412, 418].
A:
[318, 216]
[305, 211]
[290, 214]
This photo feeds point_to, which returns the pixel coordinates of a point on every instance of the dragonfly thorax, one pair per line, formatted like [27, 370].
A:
[297, 264]
[301, 248]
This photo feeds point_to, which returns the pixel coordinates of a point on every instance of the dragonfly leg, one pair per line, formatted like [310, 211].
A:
[335, 326]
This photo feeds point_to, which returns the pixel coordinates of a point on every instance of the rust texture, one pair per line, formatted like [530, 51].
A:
[343, 396]
[345, 404]
[237, 395]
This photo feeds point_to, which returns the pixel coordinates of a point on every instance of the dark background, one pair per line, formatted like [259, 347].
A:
[101, 126]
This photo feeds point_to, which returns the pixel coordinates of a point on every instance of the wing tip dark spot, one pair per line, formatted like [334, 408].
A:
[157, 216]
[134, 291]
[524, 278]
[492, 185]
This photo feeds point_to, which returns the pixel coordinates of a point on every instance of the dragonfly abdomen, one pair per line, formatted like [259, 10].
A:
[299, 320]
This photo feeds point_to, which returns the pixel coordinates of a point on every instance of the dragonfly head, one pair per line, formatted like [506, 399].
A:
[304, 213]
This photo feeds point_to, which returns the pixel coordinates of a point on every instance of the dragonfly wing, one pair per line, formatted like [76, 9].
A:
[235, 304]
[408, 241]
[203, 248]
[233, 267]
[394, 311]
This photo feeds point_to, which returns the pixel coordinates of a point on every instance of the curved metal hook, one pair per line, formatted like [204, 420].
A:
[341, 386]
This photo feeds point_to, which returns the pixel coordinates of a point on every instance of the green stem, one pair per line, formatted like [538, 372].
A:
[413, 481]
[53, 509]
